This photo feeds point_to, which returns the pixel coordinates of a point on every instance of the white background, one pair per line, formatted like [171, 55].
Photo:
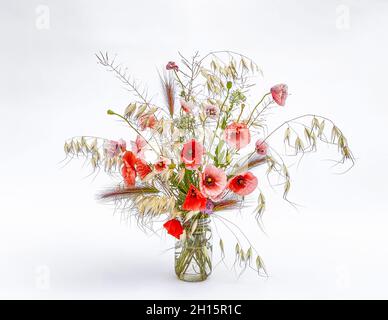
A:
[56, 241]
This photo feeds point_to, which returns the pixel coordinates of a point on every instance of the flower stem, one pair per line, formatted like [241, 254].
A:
[242, 110]
[254, 109]
[179, 80]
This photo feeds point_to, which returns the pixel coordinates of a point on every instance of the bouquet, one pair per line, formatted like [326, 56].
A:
[195, 153]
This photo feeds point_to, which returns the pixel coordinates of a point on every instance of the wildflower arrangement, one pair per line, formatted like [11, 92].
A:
[195, 154]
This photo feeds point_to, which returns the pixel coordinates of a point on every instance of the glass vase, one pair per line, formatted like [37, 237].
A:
[193, 254]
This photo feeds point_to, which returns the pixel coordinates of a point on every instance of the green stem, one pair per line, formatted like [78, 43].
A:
[179, 80]
[241, 112]
[254, 109]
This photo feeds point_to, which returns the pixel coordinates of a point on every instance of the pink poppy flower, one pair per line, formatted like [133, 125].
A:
[114, 148]
[191, 154]
[212, 111]
[261, 147]
[237, 135]
[243, 184]
[213, 181]
[187, 107]
[162, 164]
[139, 146]
[147, 121]
[280, 93]
[171, 65]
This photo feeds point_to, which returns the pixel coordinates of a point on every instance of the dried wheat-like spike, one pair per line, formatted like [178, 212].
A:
[168, 85]
[271, 164]
[93, 150]
[237, 249]
[308, 134]
[256, 161]
[66, 148]
[260, 265]
[244, 64]
[287, 186]
[346, 153]
[121, 193]
[93, 145]
[285, 172]
[242, 256]
[222, 249]
[298, 145]
[227, 204]
[151, 206]
[140, 111]
[249, 255]
[287, 135]
[130, 110]
[314, 123]
[239, 255]
[171, 204]
[321, 128]
[214, 65]
[335, 133]
[260, 206]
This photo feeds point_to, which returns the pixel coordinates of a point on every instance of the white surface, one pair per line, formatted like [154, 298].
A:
[57, 242]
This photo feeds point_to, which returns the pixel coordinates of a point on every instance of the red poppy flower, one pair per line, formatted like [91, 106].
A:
[243, 184]
[142, 168]
[174, 228]
[128, 171]
[129, 159]
[171, 65]
[195, 201]
[129, 176]
[192, 153]
[280, 93]
[237, 135]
